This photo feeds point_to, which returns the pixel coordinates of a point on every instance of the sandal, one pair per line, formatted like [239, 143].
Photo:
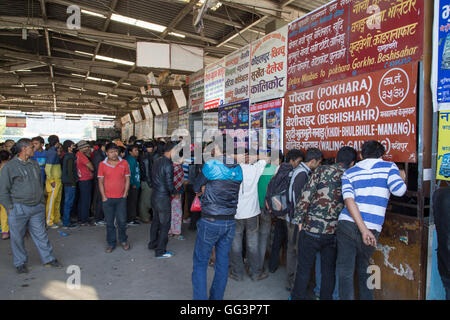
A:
[109, 249]
[126, 246]
[179, 237]
[5, 236]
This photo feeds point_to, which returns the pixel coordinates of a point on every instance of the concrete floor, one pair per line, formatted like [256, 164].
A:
[135, 274]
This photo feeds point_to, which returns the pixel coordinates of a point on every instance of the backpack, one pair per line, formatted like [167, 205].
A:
[277, 196]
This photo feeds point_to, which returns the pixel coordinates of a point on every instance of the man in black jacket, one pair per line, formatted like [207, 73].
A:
[146, 163]
[163, 190]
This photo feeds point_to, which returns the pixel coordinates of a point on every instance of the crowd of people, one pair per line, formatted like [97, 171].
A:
[327, 213]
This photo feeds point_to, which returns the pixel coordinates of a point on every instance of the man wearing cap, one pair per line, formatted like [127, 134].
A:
[86, 174]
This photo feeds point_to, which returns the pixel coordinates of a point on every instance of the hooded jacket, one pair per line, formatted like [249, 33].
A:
[21, 182]
[222, 182]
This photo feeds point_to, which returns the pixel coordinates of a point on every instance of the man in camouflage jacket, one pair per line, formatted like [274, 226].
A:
[317, 214]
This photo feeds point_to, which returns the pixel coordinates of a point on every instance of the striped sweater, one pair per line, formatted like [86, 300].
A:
[370, 183]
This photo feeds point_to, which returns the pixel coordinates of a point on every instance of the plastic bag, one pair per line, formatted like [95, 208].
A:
[196, 205]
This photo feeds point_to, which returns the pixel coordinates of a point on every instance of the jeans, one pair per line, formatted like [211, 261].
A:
[99, 214]
[251, 228]
[115, 208]
[352, 251]
[308, 246]
[145, 198]
[84, 206]
[69, 197]
[446, 284]
[212, 233]
[159, 230]
[132, 204]
[318, 277]
[19, 218]
[265, 223]
[279, 236]
[291, 254]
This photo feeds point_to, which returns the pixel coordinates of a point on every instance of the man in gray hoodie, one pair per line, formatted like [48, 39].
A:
[22, 195]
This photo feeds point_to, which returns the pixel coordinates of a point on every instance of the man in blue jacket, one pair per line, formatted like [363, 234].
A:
[219, 184]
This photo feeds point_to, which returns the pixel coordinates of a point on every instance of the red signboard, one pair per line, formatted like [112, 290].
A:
[375, 106]
[16, 122]
[348, 38]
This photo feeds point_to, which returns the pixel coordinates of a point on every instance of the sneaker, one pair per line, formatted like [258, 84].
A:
[166, 255]
[22, 269]
[59, 224]
[54, 226]
[273, 270]
[85, 224]
[188, 220]
[70, 226]
[179, 237]
[54, 264]
[133, 223]
[100, 223]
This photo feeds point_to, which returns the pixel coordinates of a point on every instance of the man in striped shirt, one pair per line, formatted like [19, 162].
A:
[366, 189]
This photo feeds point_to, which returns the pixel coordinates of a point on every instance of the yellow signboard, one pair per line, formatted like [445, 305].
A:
[443, 165]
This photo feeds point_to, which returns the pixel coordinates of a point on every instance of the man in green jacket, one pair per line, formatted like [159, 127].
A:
[22, 195]
[135, 184]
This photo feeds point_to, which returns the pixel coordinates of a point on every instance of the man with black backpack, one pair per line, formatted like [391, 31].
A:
[277, 198]
[300, 177]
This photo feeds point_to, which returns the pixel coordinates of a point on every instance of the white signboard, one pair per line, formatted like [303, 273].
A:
[137, 115]
[268, 71]
[180, 98]
[237, 80]
[186, 57]
[147, 112]
[126, 118]
[215, 84]
[196, 91]
[153, 55]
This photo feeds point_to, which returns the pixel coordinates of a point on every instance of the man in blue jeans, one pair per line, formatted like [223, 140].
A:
[113, 184]
[366, 189]
[219, 183]
[69, 179]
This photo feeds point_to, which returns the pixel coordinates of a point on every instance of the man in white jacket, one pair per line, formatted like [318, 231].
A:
[247, 219]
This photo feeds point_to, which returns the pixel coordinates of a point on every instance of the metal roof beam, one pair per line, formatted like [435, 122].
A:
[234, 34]
[180, 16]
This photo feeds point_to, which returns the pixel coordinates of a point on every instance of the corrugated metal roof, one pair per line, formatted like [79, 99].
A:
[21, 8]
[309, 5]
[160, 12]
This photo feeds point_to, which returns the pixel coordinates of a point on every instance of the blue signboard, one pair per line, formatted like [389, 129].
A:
[442, 54]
